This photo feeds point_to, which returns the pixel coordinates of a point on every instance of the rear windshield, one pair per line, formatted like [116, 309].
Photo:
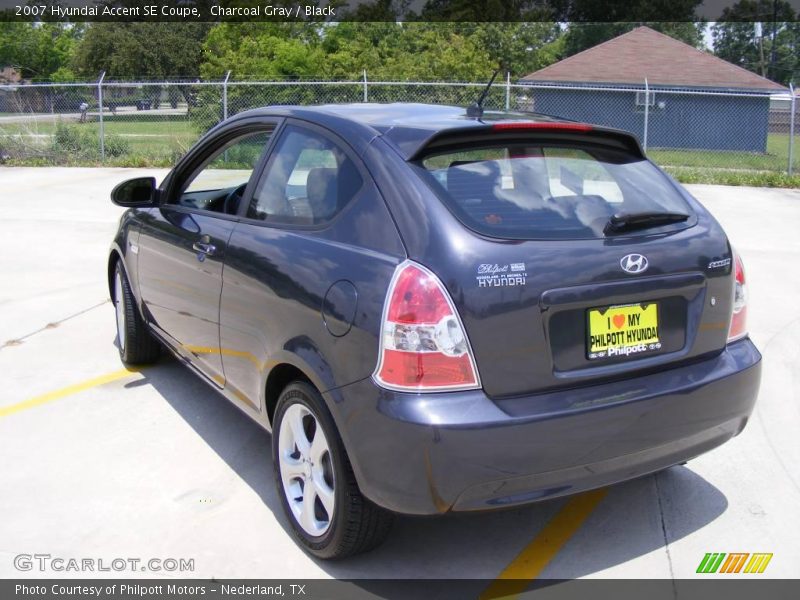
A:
[546, 191]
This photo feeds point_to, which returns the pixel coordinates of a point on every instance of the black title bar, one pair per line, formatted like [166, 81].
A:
[574, 11]
[388, 589]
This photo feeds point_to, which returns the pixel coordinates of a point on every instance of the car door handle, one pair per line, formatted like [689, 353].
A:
[204, 248]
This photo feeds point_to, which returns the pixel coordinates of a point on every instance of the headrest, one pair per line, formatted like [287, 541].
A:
[321, 191]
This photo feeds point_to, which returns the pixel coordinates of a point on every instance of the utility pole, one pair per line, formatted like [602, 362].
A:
[774, 35]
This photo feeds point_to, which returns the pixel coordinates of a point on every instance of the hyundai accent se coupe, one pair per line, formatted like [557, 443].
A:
[434, 311]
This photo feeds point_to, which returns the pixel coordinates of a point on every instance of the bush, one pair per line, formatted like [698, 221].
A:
[73, 143]
[116, 146]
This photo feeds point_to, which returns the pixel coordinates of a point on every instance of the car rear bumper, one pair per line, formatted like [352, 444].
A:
[459, 451]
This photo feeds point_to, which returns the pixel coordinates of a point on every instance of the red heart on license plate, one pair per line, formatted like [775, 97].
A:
[619, 321]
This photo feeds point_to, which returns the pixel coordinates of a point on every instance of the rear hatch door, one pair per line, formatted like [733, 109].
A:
[571, 258]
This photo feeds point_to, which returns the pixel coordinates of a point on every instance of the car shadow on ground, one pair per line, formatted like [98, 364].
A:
[475, 546]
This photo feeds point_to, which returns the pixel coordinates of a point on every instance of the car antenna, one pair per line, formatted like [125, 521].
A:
[475, 110]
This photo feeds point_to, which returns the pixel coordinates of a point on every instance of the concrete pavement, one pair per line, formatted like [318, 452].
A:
[155, 464]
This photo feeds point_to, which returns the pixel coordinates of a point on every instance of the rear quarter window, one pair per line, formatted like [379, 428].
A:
[308, 181]
[546, 191]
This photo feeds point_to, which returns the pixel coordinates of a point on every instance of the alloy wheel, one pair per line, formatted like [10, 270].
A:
[306, 470]
[119, 302]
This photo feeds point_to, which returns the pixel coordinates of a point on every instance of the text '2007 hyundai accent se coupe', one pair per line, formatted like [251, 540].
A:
[434, 311]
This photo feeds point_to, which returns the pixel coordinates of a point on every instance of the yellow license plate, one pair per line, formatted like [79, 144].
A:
[622, 331]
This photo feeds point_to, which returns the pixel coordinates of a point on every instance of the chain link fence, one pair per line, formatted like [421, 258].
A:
[154, 122]
[687, 129]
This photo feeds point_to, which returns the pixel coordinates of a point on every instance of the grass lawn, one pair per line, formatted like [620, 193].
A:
[165, 127]
[119, 124]
[775, 159]
[731, 177]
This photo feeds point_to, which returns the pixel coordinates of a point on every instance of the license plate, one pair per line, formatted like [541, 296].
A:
[622, 331]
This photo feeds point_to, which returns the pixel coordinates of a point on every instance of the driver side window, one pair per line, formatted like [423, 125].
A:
[219, 183]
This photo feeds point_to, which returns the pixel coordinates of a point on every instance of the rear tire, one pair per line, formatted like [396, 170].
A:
[328, 514]
[136, 344]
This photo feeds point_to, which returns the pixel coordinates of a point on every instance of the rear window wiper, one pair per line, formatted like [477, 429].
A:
[641, 220]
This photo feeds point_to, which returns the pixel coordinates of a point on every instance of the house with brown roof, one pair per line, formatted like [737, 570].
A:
[9, 75]
[693, 99]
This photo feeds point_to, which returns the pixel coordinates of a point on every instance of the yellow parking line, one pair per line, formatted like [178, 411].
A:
[529, 563]
[67, 391]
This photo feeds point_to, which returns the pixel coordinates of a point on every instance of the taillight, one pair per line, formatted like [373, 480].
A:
[738, 328]
[423, 345]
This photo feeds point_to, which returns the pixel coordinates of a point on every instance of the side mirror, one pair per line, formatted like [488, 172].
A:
[135, 193]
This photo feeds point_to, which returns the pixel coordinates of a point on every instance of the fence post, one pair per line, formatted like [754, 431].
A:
[646, 112]
[366, 94]
[793, 110]
[225, 96]
[102, 127]
[508, 90]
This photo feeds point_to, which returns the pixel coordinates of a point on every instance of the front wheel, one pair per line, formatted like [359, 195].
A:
[319, 494]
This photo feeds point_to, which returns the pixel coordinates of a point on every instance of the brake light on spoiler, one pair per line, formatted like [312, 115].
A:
[543, 126]
[423, 345]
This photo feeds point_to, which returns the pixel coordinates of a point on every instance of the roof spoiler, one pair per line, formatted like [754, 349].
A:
[509, 130]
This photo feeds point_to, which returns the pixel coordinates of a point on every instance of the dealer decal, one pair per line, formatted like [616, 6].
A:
[501, 275]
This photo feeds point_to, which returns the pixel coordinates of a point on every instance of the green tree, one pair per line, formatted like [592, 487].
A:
[378, 10]
[593, 22]
[519, 48]
[39, 51]
[496, 10]
[643, 11]
[141, 49]
[353, 47]
[266, 51]
[386, 50]
[431, 52]
[751, 29]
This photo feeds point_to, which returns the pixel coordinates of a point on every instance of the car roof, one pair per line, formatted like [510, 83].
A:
[409, 127]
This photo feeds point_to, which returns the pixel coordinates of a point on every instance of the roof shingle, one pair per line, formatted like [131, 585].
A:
[646, 53]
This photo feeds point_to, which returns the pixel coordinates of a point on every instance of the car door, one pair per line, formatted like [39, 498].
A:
[182, 243]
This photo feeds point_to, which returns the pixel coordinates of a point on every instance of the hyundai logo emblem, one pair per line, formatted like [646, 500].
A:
[634, 263]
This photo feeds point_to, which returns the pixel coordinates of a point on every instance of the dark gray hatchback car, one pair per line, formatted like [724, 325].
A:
[437, 312]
